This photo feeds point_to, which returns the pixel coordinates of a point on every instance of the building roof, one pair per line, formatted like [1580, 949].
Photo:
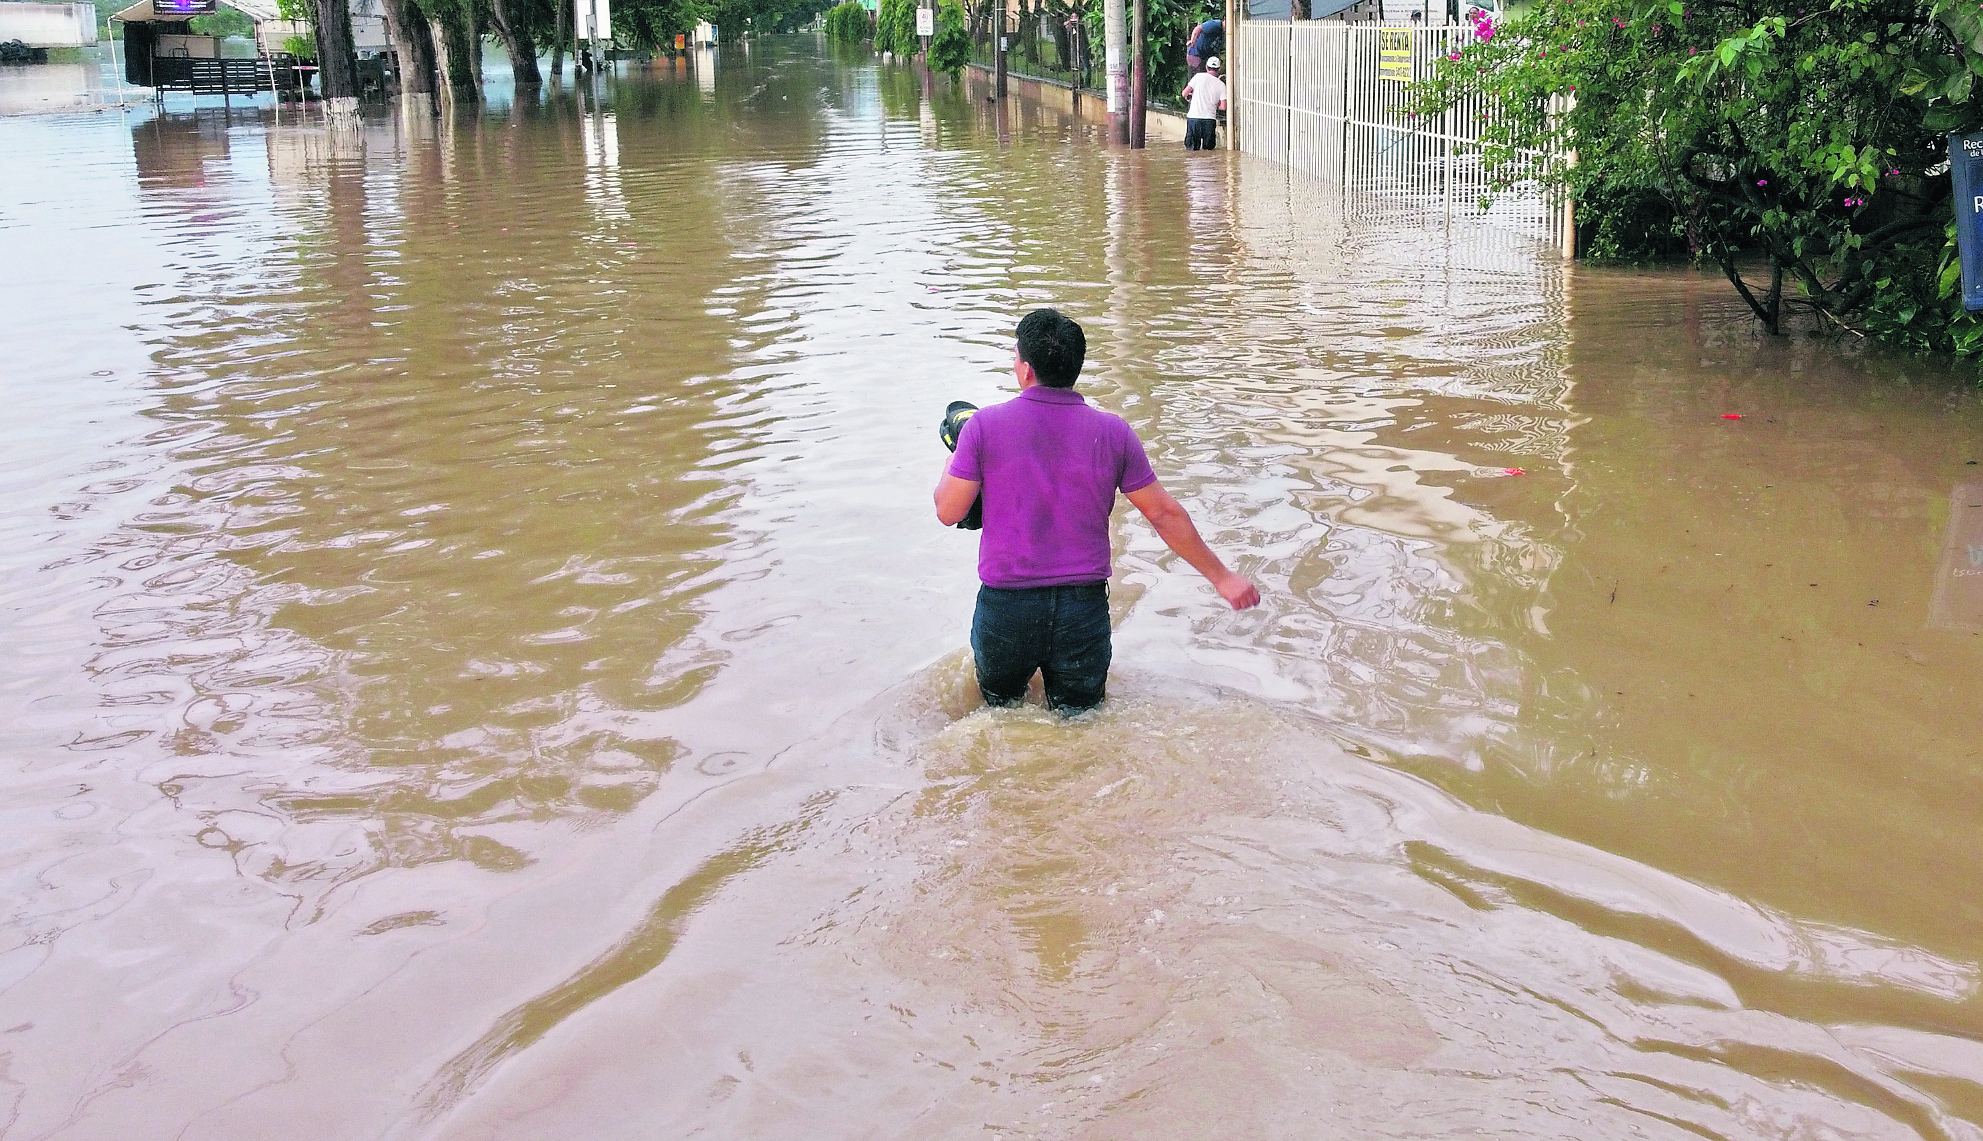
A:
[144, 12]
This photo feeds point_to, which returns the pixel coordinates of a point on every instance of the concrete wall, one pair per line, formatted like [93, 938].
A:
[48, 25]
[1160, 126]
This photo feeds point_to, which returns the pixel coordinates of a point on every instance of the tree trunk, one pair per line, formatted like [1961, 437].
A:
[473, 22]
[453, 47]
[437, 35]
[559, 36]
[1768, 309]
[517, 42]
[420, 35]
[338, 59]
[416, 58]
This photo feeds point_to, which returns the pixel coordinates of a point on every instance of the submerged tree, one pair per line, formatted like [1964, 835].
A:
[337, 59]
[514, 23]
[411, 33]
[332, 47]
[454, 27]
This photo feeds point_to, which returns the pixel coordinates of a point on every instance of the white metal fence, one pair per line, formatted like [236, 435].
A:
[1328, 99]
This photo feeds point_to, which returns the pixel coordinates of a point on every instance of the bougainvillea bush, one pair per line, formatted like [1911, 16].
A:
[1798, 145]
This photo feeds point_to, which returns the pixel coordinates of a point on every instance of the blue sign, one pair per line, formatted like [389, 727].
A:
[1966, 168]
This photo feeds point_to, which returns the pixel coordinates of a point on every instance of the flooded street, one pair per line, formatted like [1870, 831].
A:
[481, 662]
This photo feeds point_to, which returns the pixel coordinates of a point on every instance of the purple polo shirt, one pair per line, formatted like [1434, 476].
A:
[1050, 466]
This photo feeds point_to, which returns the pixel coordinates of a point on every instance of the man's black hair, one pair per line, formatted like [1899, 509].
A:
[1054, 345]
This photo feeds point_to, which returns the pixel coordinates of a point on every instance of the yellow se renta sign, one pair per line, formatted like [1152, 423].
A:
[1394, 54]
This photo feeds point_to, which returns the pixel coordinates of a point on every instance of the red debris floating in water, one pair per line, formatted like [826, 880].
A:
[1513, 471]
[1731, 415]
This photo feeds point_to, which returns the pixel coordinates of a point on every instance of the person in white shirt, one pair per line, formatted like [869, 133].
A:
[1204, 98]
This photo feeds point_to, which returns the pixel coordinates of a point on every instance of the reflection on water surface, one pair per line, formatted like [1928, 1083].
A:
[481, 664]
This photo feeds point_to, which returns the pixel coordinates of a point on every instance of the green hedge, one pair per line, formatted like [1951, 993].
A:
[950, 49]
[848, 22]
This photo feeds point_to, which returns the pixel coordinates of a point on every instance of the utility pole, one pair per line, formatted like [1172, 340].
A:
[1231, 76]
[1139, 74]
[594, 27]
[1113, 50]
[998, 56]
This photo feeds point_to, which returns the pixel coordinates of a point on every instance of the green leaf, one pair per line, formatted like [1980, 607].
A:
[1961, 18]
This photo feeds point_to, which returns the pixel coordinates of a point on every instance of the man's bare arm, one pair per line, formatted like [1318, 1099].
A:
[1174, 526]
[954, 498]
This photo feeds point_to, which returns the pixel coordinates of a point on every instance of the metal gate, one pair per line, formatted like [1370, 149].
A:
[1328, 99]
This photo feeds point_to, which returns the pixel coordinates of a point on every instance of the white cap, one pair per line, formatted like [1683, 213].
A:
[1212, 64]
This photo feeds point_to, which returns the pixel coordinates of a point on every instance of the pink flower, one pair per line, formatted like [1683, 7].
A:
[1455, 55]
[1762, 182]
[1690, 51]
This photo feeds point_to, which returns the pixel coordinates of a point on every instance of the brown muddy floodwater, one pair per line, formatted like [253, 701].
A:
[480, 662]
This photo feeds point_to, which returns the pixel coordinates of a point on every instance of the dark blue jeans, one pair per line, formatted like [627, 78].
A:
[1061, 631]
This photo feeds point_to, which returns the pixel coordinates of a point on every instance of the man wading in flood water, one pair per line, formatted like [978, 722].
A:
[1049, 467]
